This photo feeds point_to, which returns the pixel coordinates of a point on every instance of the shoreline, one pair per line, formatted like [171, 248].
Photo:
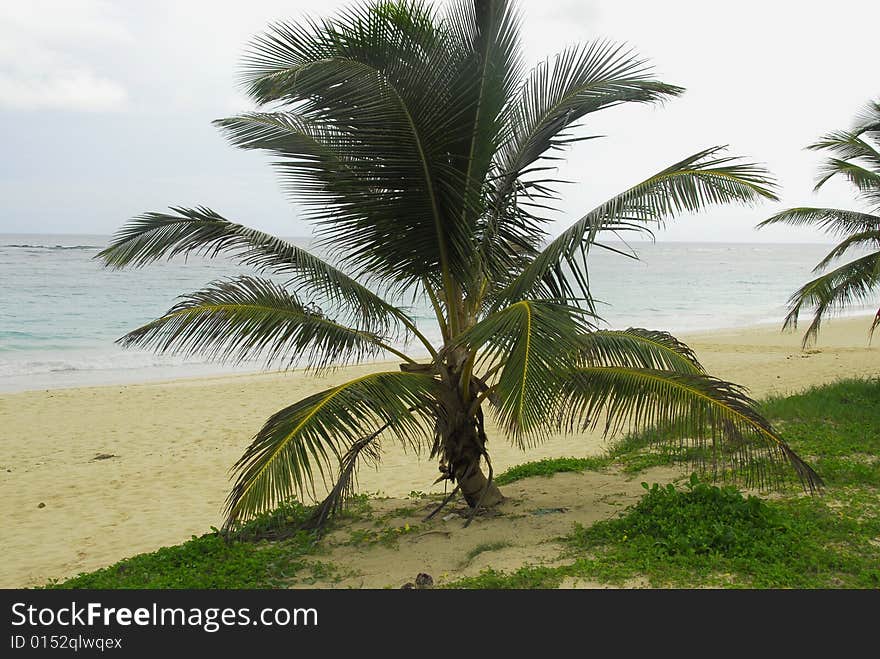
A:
[138, 375]
[124, 469]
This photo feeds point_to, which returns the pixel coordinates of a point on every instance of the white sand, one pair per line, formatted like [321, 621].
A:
[173, 443]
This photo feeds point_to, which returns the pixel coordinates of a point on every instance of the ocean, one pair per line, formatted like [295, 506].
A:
[61, 311]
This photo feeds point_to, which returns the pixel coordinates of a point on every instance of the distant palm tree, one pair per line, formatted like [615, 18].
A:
[855, 155]
[424, 156]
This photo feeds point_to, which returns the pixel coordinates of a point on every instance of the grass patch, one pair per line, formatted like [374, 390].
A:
[711, 536]
[701, 520]
[705, 535]
[267, 552]
[550, 466]
[716, 536]
[482, 548]
[387, 536]
[637, 452]
[836, 427]
[528, 577]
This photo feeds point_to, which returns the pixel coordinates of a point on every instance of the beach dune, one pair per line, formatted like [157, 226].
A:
[92, 475]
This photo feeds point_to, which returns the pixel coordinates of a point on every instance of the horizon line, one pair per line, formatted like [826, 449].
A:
[302, 237]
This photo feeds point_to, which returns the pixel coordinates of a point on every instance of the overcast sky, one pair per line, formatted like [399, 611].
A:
[105, 106]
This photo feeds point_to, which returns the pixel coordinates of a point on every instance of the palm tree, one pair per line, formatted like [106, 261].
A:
[424, 156]
[855, 156]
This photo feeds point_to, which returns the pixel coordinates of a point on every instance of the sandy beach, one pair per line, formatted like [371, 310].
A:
[92, 475]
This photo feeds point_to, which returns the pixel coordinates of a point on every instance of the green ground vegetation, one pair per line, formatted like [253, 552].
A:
[685, 535]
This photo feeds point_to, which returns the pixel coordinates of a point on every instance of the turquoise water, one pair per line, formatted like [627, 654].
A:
[61, 311]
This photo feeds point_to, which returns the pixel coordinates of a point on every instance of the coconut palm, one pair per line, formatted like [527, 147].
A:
[855, 156]
[423, 154]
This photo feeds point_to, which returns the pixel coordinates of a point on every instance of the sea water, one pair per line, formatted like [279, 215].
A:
[61, 311]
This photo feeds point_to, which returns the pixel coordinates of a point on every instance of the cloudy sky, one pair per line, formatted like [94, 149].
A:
[105, 105]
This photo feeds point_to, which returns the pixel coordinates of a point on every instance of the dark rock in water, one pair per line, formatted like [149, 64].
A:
[424, 580]
[41, 505]
[409, 585]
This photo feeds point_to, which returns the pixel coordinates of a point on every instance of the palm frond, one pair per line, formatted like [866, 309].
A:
[201, 231]
[861, 239]
[848, 146]
[868, 120]
[249, 318]
[712, 415]
[381, 33]
[560, 91]
[874, 325]
[368, 450]
[701, 180]
[378, 79]
[310, 439]
[541, 119]
[833, 221]
[859, 162]
[639, 348]
[853, 157]
[531, 343]
[319, 162]
[852, 282]
[866, 181]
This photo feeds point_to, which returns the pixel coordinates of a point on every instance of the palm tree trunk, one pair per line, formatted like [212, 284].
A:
[463, 443]
[473, 487]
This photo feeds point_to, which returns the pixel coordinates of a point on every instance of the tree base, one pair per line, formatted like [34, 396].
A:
[473, 488]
